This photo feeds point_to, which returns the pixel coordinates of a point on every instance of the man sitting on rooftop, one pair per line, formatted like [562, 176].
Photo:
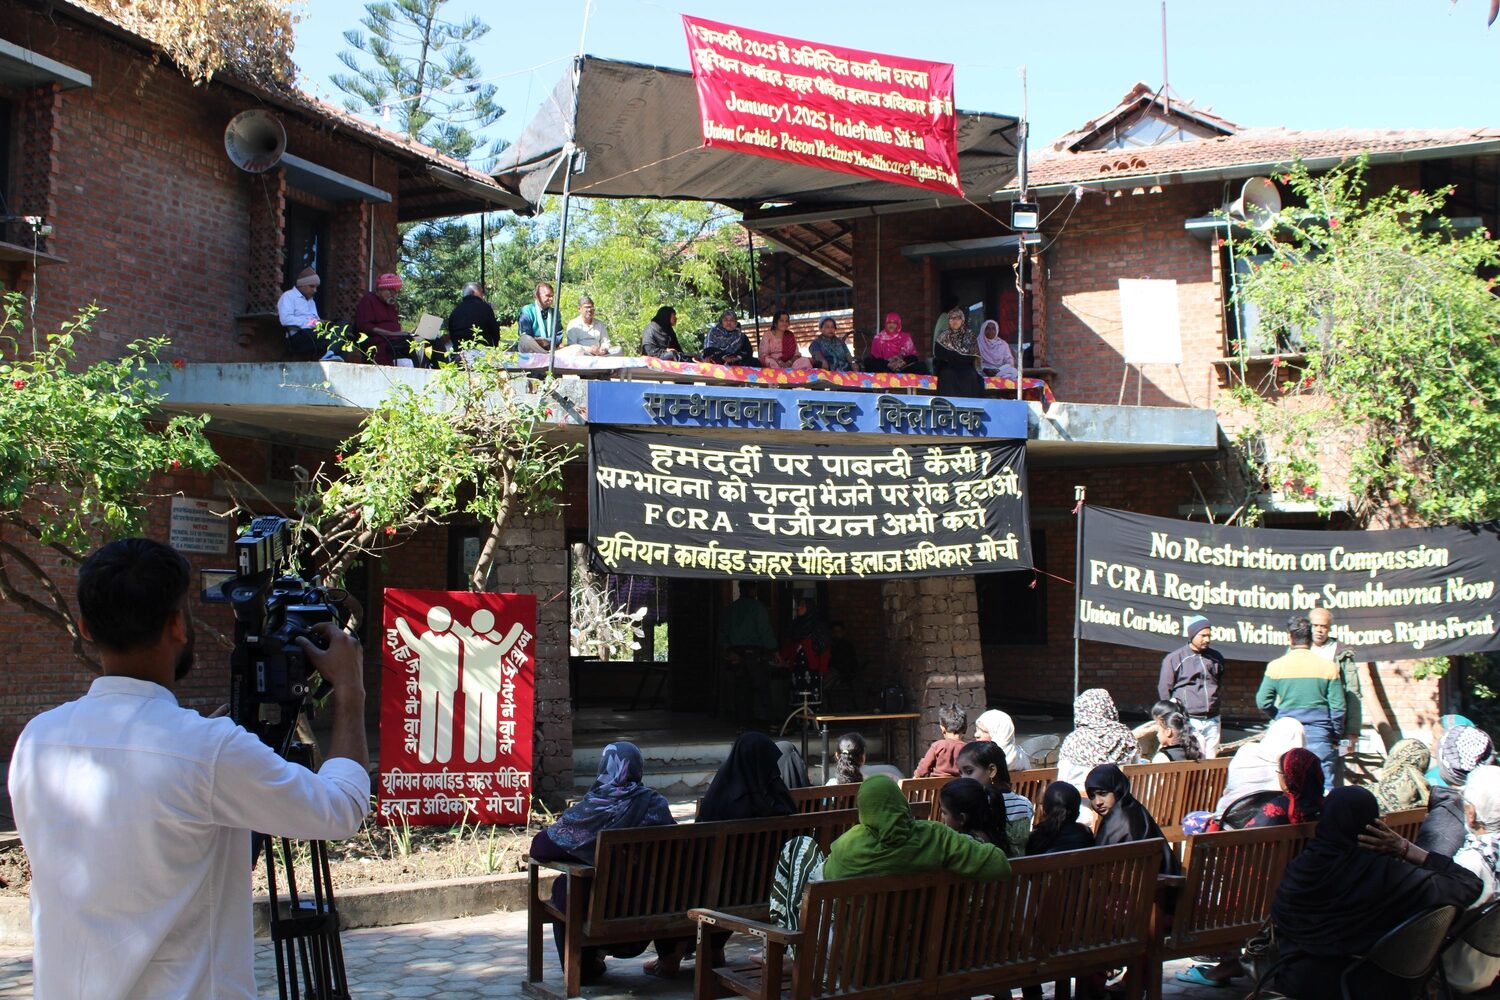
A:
[472, 322]
[297, 311]
[378, 319]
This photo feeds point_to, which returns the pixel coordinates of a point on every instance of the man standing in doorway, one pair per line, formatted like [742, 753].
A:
[746, 641]
[1327, 647]
[1191, 675]
[1305, 686]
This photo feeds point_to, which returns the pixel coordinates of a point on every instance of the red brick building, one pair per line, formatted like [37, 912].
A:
[123, 159]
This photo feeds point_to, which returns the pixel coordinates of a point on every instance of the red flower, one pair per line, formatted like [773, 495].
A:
[1275, 362]
[1286, 178]
[1285, 265]
[390, 529]
[549, 411]
[178, 363]
[176, 464]
[1308, 491]
[19, 383]
[1286, 484]
[338, 456]
[1333, 223]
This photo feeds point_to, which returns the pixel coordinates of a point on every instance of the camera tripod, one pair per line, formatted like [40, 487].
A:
[304, 924]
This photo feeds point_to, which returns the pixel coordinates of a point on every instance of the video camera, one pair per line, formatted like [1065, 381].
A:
[268, 672]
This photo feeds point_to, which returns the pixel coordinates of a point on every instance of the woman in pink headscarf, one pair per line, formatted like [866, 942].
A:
[892, 350]
[778, 348]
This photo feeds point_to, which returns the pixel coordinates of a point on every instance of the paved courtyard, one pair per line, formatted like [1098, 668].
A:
[470, 959]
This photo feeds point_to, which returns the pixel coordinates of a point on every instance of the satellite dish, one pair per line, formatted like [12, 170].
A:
[1258, 204]
[255, 141]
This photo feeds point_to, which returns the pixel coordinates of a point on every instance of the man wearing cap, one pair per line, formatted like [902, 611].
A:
[378, 319]
[297, 310]
[1306, 687]
[1191, 675]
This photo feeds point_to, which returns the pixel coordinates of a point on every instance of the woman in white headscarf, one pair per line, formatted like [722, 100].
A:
[999, 729]
[1253, 768]
[1469, 970]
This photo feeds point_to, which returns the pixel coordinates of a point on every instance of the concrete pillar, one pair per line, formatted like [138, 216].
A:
[932, 631]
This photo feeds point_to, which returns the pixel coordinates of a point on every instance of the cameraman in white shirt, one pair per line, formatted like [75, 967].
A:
[136, 813]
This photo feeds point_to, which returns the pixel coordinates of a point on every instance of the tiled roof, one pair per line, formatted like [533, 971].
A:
[1248, 147]
[1135, 98]
[292, 98]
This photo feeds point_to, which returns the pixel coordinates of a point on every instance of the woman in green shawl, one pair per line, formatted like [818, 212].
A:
[888, 841]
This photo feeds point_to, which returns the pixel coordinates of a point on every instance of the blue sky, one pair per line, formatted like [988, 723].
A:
[1314, 64]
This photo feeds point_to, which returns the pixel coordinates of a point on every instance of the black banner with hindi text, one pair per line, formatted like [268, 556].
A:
[664, 504]
[1408, 593]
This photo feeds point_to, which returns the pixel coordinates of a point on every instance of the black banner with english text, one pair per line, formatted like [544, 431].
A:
[1403, 594]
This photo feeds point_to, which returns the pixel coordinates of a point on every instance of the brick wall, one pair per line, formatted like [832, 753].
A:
[932, 631]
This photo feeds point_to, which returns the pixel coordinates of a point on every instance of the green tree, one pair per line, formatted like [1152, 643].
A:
[79, 445]
[635, 255]
[1400, 361]
[468, 443]
[413, 66]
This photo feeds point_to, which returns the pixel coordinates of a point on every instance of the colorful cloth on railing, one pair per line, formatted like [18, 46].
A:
[1033, 388]
[786, 376]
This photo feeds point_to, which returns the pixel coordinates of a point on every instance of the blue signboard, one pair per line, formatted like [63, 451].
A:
[655, 404]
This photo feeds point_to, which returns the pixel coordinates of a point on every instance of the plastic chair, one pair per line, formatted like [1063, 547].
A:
[1478, 929]
[1409, 952]
[1041, 750]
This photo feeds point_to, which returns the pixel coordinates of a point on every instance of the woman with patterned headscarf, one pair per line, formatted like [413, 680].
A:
[1403, 778]
[955, 358]
[1300, 801]
[1462, 749]
[1097, 738]
[616, 800]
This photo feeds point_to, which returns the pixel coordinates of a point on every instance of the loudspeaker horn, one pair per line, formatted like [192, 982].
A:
[1258, 203]
[255, 141]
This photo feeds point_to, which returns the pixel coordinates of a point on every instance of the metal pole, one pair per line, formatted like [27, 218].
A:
[1021, 249]
[569, 154]
[1166, 90]
[1079, 495]
[482, 280]
[562, 247]
[754, 288]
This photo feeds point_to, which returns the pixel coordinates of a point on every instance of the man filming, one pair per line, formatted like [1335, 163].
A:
[136, 813]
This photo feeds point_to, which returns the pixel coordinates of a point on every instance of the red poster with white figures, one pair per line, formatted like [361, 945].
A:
[457, 674]
[856, 112]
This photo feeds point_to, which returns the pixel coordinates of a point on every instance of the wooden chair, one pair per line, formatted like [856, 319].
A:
[644, 881]
[1224, 894]
[1032, 784]
[1058, 915]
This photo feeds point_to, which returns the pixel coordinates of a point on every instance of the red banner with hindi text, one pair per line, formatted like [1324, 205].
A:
[878, 116]
[458, 671]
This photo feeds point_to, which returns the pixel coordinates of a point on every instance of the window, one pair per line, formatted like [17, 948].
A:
[1242, 320]
[306, 246]
[1013, 611]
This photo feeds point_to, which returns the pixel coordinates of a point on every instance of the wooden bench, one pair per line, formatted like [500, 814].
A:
[1224, 893]
[1028, 784]
[1407, 822]
[822, 798]
[1058, 915]
[1171, 791]
[644, 881]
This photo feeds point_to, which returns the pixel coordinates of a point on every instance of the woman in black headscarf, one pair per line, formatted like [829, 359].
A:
[748, 785]
[1122, 819]
[660, 338]
[1354, 882]
[792, 767]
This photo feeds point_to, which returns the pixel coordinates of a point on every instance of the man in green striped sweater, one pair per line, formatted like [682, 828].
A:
[1307, 687]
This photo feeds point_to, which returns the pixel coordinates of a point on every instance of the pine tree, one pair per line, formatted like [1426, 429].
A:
[412, 67]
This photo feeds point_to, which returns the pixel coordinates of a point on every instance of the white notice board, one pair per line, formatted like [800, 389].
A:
[1148, 317]
[198, 526]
